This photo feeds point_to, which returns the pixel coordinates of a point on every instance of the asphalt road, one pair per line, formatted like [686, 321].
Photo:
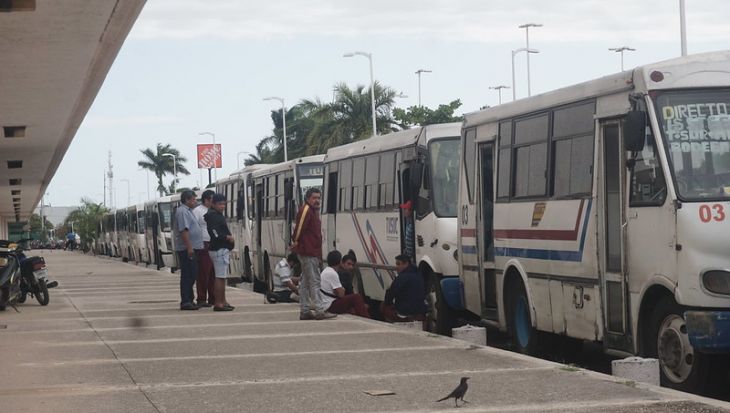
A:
[113, 340]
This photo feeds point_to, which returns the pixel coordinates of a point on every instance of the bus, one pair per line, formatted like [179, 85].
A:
[278, 191]
[367, 181]
[136, 234]
[121, 234]
[238, 189]
[109, 236]
[158, 232]
[598, 212]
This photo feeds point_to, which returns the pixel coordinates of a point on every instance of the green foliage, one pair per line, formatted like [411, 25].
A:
[85, 220]
[36, 227]
[153, 160]
[421, 115]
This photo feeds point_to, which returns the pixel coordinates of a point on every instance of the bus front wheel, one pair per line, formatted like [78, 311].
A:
[681, 367]
[525, 337]
[441, 318]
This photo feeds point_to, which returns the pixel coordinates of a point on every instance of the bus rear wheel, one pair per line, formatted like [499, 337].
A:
[525, 338]
[680, 366]
[440, 317]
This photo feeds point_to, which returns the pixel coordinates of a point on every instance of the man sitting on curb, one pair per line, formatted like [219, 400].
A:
[285, 283]
[405, 299]
[333, 294]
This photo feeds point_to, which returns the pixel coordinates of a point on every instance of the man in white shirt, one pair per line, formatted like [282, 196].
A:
[333, 294]
[285, 282]
[206, 276]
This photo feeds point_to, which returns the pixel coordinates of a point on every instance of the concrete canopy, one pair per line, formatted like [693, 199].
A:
[55, 56]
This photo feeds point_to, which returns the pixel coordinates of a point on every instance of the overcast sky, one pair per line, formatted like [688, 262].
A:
[190, 66]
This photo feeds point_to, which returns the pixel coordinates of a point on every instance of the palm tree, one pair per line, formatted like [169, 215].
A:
[86, 220]
[162, 165]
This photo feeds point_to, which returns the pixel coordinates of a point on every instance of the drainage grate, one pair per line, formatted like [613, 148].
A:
[153, 302]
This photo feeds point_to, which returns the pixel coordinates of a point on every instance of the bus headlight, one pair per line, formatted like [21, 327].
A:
[717, 281]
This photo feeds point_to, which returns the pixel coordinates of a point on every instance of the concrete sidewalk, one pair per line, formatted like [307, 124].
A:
[113, 340]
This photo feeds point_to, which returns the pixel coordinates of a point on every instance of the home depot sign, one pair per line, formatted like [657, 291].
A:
[209, 156]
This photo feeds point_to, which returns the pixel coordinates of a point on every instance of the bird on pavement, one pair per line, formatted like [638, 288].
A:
[458, 392]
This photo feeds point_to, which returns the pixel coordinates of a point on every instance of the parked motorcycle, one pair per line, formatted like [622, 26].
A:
[10, 275]
[22, 276]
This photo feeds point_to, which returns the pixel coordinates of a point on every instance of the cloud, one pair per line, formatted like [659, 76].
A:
[135, 120]
[489, 21]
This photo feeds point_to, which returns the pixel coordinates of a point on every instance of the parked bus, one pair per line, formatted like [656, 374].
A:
[599, 212]
[110, 236]
[121, 234]
[368, 180]
[277, 194]
[136, 233]
[159, 230]
[238, 189]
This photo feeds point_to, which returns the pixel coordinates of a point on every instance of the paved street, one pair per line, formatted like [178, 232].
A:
[113, 340]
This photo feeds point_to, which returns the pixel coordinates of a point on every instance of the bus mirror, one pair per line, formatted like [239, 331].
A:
[634, 131]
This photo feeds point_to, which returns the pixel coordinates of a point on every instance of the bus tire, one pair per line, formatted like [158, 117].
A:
[247, 267]
[525, 338]
[441, 318]
[680, 366]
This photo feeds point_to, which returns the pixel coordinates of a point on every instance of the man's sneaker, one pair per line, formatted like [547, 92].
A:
[324, 315]
[308, 315]
[204, 304]
[189, 306]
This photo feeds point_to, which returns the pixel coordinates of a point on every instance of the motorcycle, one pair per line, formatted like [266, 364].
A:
[22, 276]
[10, 276]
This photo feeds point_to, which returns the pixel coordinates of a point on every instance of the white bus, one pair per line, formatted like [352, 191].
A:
[367, 181]
[121, 234]
[238, 189]
[277, 194]
[110, 236]
[162, 210]
[599, 212]
[136, 233]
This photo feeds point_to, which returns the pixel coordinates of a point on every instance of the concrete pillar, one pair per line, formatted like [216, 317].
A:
[472, 334]
[637, 369]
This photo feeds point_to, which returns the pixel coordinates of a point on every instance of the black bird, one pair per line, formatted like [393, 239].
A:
[458, 392]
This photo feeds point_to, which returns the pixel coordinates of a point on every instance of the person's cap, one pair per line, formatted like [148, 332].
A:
[407, 205]
[403, 258]
[219, 198]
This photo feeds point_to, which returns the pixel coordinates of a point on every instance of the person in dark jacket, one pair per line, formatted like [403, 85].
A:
[405, 299]
[221, 244]
[307, 243]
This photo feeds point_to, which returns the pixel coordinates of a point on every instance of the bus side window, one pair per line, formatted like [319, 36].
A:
[332, 193]
[240, 202]
[387, 180]
[265, 212]
[530, 156]
[345, 181]
[648, 186]
[251, 200]
[371, 182]
[358, 181]
[573, 135]
[280, 199]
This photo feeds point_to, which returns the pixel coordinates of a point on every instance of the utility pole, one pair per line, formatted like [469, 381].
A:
[110, 176]
[527, 47]
[683, 27]
[499, 90]
[621, 50]
[418, 72]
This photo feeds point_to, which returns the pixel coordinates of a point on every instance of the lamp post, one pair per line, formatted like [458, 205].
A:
[129, 199]
[216, 154]
[418, 72]
[372, 84]
[682, 28]
[174, 164]
[621, 50]
[527, 47]
[499, 90]
[238, 157]
[283, 120]
[514, 52]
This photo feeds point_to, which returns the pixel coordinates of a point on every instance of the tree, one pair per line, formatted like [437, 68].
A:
[85, 220]
[421, 115]
[36, 228]
[162, 165]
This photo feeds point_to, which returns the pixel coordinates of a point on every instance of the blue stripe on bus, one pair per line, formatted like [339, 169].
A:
[551, 255]
[469, 249]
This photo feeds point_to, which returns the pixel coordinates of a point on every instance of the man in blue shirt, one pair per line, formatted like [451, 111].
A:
[188, 238]
[405, 299]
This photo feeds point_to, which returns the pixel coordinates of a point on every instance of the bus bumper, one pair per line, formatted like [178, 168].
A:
[709, 331]
[452, 290]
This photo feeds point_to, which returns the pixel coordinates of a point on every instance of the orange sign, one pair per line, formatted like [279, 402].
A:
[207, 153]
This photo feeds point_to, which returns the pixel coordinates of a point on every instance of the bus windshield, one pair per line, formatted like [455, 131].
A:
[165, 216]
[444, 161]
[310, 176]
[696, 129]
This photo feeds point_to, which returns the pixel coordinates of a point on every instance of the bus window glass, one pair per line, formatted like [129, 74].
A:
[648, 186]
[310, 176]
[573, 120]
[345, 182]
[531, 162]
[165, 216]
[503, 187]
[470, 154]
[505, 133]
[696, 128]
[280, 195]
[530, 130]
[141, 222]
[573, 166]
[371, 182]
[387, 179]
[240, 201]
[358, 182]
[444, 160]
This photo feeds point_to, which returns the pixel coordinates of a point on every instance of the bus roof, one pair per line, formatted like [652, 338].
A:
[289, 165]
[235, 175]
[394, 140]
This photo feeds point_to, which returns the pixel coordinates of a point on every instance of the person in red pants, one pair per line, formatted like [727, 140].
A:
[333, 294]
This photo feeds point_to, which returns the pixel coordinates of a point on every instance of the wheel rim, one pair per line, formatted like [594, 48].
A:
[676, 355]
[522, 321]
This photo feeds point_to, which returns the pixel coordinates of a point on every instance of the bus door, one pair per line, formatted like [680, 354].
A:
[613, 237]
[410, 182]
[259, 213]
[485, 237]
[331, 205]
[290, 209]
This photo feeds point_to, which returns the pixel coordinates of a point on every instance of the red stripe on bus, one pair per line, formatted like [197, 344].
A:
[468, 232]
[543, 234]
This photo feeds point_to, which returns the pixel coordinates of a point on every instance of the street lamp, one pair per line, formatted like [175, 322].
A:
[238, 157]
[215, 152]
[418, 72]
[527, 47]
[283, 119]
[621, 50]
[174, 163]
[129, 199]
[372, 84]
[514, 52]
[682, 28]
[499, 90]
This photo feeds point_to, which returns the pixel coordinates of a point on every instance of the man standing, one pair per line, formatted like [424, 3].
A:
[188, 239]
[334, 294]
[221, 244]
[405, 299]
[307, 243]
[206, 279]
